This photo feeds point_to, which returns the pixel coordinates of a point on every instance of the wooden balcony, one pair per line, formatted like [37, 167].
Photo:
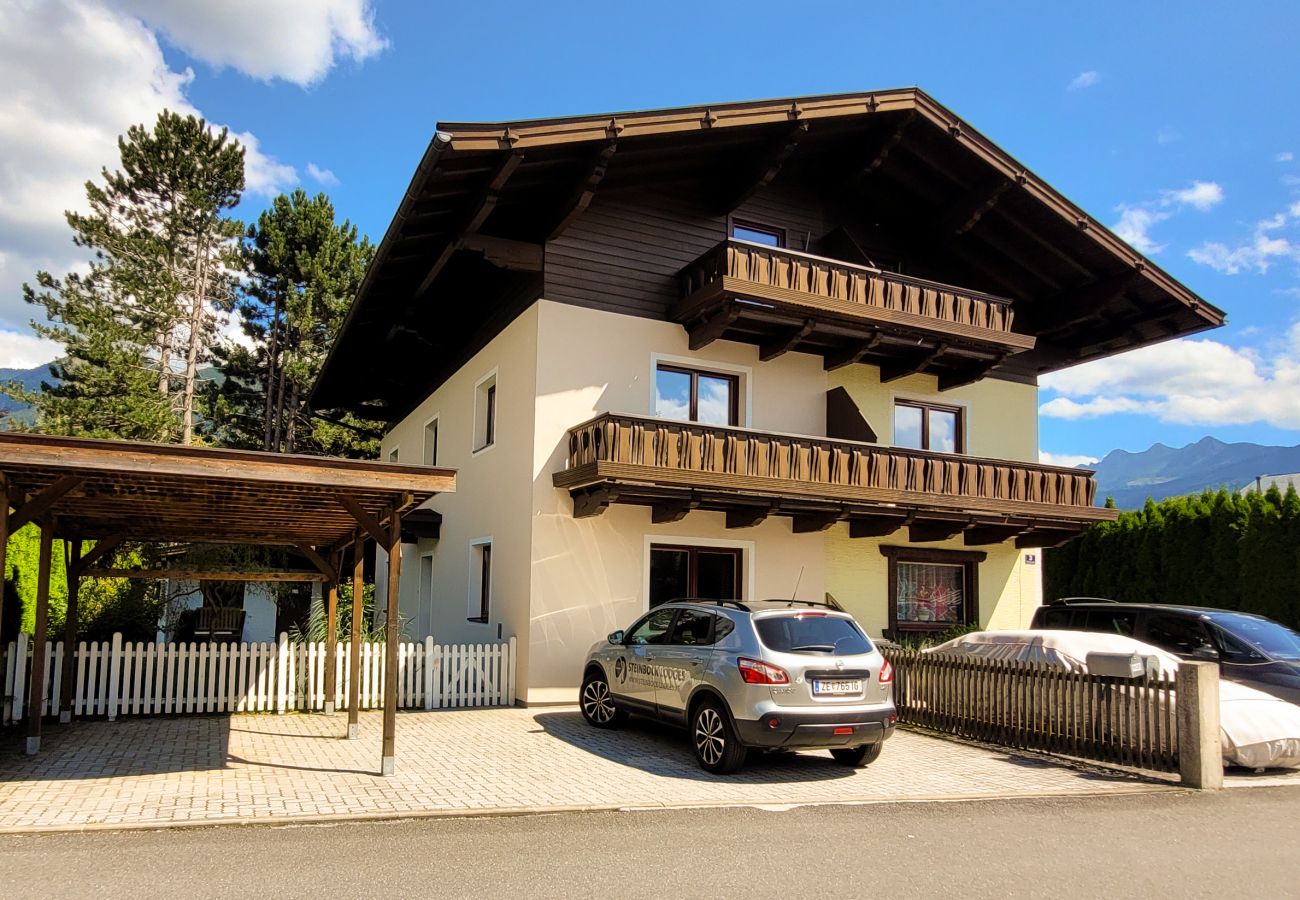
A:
[676, 467]
[783, 300]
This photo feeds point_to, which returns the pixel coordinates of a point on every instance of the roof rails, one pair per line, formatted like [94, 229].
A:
[1074, 601]
[792, 602]
[735, 604]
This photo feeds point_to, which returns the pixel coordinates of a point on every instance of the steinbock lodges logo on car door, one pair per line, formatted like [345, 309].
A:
[650, 675]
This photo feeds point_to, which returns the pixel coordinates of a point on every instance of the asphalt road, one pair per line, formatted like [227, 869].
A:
[1243, 842]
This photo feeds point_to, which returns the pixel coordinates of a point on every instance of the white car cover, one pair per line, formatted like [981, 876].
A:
[1256, 729]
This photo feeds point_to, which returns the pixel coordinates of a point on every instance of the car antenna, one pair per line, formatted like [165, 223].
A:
[796, 584]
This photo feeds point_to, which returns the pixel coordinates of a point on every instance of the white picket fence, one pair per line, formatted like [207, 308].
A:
[138, 679]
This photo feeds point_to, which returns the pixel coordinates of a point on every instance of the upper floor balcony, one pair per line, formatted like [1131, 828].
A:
[676, 467]
[784, 300]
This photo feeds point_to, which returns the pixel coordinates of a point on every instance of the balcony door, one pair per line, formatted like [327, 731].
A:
[705, 573]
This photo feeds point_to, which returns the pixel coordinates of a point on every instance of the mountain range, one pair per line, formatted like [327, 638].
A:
[1160, 471]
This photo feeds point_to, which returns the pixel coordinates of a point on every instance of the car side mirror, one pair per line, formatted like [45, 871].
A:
[616, 637]
[1205, 654]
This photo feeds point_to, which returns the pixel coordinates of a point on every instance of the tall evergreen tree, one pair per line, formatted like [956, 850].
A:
[305, 268]
[140, 325]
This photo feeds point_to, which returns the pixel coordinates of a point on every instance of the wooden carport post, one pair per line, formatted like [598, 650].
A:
[332, 634]
[354, 647]
[388, 765]
[36, 688]
[4, 546]
[73, 568]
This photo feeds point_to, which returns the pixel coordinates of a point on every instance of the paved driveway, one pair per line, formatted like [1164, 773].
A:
[211, 769]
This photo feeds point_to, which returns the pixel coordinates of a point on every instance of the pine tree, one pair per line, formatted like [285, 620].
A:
[138, 327]
[305, 270]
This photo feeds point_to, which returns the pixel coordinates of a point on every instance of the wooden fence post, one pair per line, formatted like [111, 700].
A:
[429, 668]
[282, 674]
[1200, 754]
[114, 674]
[20, 675]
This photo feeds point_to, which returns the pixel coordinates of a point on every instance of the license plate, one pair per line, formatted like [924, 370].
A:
[837, 687]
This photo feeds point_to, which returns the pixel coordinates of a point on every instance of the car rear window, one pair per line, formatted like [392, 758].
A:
[812, 633]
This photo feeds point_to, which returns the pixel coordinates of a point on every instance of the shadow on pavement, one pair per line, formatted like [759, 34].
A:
[663, 750]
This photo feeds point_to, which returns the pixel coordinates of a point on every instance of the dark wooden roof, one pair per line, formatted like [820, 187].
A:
[165, 492]
[487, 191]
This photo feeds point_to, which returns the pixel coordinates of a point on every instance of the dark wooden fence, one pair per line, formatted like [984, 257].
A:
[1033, 706]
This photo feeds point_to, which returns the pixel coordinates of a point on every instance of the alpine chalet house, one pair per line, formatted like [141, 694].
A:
[784, 348]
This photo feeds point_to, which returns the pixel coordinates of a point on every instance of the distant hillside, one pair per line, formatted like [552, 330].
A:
[28, 378]
[1162, 471]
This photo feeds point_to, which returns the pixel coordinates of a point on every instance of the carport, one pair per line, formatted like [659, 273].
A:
[111, 492]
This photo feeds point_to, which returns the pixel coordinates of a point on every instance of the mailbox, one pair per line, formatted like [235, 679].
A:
[1123, 665]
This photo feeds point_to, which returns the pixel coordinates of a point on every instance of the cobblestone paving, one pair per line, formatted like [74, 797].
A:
[200, 770]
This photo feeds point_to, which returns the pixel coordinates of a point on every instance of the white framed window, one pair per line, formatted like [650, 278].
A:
[485, 412]
[924, 423]
[394, 454]
[675, 563]
[431, 442]
[480, 580]
[690, 389]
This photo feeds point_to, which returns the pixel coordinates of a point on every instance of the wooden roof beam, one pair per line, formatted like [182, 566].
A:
[320, 562]
[885, 148]
[929, 531]
[963, 215]
[40, 504]
[786, 342]
[283, 576]
[476, 215]
[917, 363]
[95, 554]
[513, 256]
[1082, 303]
[969, 374]
[767, 169]
[706, 331]
[586, 189]
[850, 354]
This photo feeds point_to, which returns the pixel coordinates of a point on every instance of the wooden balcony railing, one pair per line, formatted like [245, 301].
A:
[649, 453]
[812, 285]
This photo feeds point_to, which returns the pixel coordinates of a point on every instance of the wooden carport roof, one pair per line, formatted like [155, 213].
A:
[94, 489]
[113, 491]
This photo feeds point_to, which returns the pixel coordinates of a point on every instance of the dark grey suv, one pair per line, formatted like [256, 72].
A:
[773, 674]
[1248, 648]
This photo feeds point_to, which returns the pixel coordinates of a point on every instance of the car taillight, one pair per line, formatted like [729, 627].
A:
[886, 673]
[755, 672]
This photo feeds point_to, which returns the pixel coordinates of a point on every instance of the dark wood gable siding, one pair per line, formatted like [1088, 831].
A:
[623, 254]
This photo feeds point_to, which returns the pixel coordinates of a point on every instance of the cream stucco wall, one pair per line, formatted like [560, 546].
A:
[1001, 416]
[492, 498]
[590, 576]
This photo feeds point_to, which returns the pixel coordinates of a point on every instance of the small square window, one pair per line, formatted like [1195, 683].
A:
[393, 455]
[485, 413]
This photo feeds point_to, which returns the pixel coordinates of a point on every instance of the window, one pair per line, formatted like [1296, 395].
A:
[392, 455]
[694, 628]
[932, 590]
[1177, 634]
[424, 620]
[928, 426]
[1107, 621]
[812, 632]
[653, 629]
[485, 413]
[697, 396]
[431, 442]
[705, 573]
[480, 582]
[757, 233]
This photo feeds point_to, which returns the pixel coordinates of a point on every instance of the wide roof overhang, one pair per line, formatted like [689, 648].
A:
[484, 192]
[135, 491]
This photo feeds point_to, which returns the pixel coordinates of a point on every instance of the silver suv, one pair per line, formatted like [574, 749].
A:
[766, 675]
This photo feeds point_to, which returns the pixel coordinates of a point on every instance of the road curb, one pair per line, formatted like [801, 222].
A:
[521, 811]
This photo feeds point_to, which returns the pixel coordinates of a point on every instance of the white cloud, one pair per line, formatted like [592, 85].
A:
[1284, 157]
[76, 74]
[1168, 136]
[321, 176]
[1069, 460]
[21, 350]
[1134, 226]
[293, 40]
[1135, 221]
[1186, 382]
[1263, 248]
[1202, 195]
[1083, 80]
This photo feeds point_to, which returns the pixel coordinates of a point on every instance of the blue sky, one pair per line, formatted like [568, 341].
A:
[1177, 122]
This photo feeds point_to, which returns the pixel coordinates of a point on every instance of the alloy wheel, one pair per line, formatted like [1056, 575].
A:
[596, 702]
[710, 740]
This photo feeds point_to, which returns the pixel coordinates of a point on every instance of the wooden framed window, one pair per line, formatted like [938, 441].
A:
[757, 232]
[696, 395]
[706, 573]
[919, 425]
[481, 582]
[932, 590]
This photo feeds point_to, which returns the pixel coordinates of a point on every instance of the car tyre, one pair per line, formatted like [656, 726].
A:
[857, 757]
[717, 749]
[597, 703]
